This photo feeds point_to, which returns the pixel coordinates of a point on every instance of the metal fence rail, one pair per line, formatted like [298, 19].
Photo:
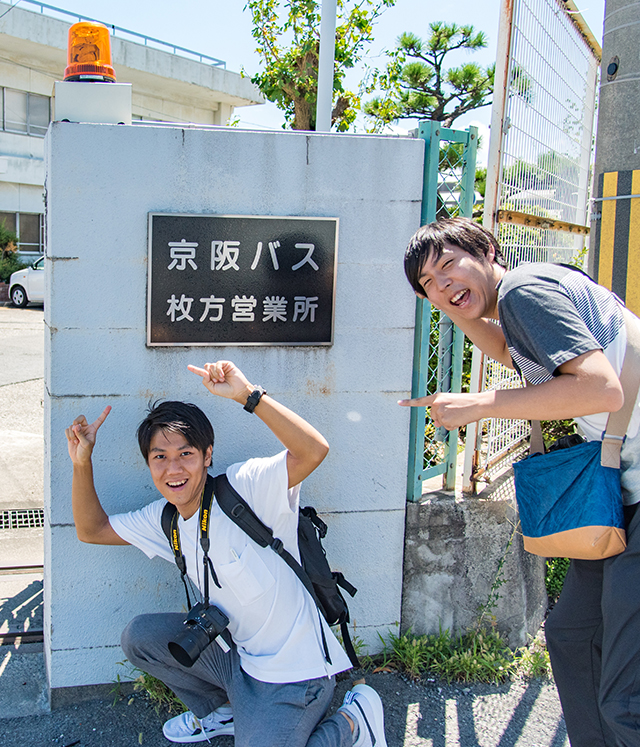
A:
[538, 176]
[126, 34]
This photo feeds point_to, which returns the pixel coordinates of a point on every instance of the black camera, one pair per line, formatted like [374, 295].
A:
[203, 624]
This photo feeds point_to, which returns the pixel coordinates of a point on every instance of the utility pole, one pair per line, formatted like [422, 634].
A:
[614, 259]
[324, 104]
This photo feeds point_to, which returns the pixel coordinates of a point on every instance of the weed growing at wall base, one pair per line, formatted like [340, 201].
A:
[533, 660]
[475, 656]
[159, 694]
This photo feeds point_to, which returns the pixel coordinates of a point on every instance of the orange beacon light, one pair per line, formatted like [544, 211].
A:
[89, 53]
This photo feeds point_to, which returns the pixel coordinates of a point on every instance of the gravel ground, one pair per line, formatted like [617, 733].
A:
[424, 714]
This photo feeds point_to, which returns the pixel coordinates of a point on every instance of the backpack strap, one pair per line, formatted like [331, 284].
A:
[239, 511]
[348, 645]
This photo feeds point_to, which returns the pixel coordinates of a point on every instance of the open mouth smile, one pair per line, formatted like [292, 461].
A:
[177, 484]
[460, 297]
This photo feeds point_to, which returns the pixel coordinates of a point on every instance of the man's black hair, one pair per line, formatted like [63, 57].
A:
[175, 417]
[430, 240]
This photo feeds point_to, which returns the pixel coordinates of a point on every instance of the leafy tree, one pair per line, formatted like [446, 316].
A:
[417, 85]
[290, 51]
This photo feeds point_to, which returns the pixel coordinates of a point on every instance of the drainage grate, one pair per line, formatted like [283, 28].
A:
[22, 518]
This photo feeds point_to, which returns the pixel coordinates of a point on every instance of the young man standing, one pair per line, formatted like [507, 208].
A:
[272, 682]
[566, 335]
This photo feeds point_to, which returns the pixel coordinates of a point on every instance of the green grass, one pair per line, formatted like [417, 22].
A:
[533, 660]
[479, 655]
[161, 697]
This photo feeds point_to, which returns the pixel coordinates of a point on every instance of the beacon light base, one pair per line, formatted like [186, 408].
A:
[97, 103]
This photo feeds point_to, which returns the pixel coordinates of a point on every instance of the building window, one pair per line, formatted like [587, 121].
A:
[24, 112]
[30, 230]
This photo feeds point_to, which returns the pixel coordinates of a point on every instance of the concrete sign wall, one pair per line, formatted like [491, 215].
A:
[102, 183]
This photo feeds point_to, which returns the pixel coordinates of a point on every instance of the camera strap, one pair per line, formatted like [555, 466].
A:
[170, 517]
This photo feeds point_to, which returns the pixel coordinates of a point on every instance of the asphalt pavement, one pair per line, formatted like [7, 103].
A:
[428, 713]
[22, 669]
[424, 714]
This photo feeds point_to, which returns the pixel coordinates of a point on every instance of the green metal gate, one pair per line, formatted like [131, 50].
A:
[448, 192]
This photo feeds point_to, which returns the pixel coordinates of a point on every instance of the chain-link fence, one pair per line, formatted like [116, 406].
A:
[538, 177]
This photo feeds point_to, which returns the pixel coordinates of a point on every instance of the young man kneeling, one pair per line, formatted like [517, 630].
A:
[269, 680]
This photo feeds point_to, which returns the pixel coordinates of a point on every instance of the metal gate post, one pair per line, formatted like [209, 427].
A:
[423, 318]
[451, 345]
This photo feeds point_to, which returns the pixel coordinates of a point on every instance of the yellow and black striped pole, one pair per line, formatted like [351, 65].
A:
[615, 253]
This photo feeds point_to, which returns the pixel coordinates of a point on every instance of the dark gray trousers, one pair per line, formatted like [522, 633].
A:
[265, 714]
[593, 637]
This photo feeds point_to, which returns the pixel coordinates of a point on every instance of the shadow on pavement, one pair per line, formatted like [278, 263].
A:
[22, 611]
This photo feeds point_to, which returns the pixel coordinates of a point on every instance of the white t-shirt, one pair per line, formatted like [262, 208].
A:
[273, 620]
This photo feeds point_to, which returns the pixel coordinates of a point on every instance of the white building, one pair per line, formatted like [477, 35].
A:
[169, 84]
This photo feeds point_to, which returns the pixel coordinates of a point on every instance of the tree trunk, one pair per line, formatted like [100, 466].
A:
[302, 120]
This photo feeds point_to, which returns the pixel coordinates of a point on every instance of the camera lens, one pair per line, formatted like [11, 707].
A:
[188, 645]
[204, 622]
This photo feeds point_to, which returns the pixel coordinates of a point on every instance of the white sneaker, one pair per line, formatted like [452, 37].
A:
[187, 727]
[364, 706]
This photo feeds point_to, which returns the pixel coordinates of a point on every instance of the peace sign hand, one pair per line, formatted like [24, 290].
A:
[81, 437]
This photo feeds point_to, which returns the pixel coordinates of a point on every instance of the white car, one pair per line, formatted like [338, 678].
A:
[27, 286]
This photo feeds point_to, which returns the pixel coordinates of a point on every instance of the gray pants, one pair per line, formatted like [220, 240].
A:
[265, 714]
[593, 636]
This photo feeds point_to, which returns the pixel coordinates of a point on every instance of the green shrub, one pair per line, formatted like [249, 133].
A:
[418, 654]
[9, 264]
[556, 570]
[8, 239]
[552, 430]
[476, 656]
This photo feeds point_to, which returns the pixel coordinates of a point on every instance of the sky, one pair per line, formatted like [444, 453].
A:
[222, 29]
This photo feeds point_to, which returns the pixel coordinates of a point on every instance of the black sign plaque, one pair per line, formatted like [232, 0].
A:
[241, 280]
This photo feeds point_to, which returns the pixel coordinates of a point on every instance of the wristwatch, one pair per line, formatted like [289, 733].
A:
[254, 398]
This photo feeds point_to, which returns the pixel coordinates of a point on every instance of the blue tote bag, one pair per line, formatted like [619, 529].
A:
[570, 504]
[570, 500]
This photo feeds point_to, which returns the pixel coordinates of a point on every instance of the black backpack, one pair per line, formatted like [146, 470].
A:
[314, 572]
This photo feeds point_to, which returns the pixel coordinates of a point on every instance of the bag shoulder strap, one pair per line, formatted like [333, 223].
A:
[239, 511]
[618, 422]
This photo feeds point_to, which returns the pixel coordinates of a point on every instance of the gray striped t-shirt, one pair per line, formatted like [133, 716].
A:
[551, 314]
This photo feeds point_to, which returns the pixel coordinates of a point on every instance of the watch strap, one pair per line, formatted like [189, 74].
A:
[254, 398]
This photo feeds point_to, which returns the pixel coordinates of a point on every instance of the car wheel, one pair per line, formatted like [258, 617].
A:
[19, 296]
